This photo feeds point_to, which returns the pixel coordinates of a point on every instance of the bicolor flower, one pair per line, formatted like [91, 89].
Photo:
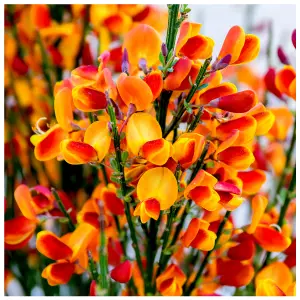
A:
[47, 145]
[188, 148]
[201, 191]
[143, 41]
[285, 81]
[191, 44]
[65, 253]
[157, 190]
[133, 89]
[279, 273]
[242, 47]
[198, 236]
[170, 282]
[141, 128]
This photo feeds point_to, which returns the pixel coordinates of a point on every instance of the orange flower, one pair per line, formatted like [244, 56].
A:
[283, 121]
[76, 153]
[181, 71]
[267, 287]
[198, 236]
[155, 82]
[97, 135]
[111, 201]
[88, 99]
[157, 152]
[246, 126]
[67, 251]
[234, 272]
[188, 148]
[47, 145]
[141, 128]
[63, 102]
[18, 232]
[275, 154]
[240, 102]
[40, 15]
[270, 239]
[242, 47]
[142, 41]
[214, 92]
[201, 191]
[252, 181]
[170, 282]
[238, 157]
[133, 89]
[264, 119]
[278, 272]
[157, 190]
[285, 81]
[191, 44]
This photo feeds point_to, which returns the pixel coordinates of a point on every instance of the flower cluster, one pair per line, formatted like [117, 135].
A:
[174, 147]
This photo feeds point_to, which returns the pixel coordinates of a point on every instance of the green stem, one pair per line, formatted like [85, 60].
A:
[206, 258]
[63, 209]
[173, 11]
[176, 119]
[151, 251]
[116, 139]
[102, 251]
[287, 164]
[105, 177]
[93, 268]
[196, 119]
[163, 109]
[200, 163]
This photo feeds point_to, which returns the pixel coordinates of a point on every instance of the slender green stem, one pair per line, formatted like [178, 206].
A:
[198, 167]
[93, 268]
[196, 119]
[103, 251]
[173, 11]
[116, 139]
[63, 209]
[105, 177]
[287, 164]
[163, 109]
[206, 258]
[283, 210]
[176, 119]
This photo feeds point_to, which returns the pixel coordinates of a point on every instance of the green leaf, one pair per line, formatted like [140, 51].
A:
[187, 107]
[174, 62]
[170, 54]
[122, 135]
[129, 191]
[161, 68]
[161, 58]
[124, 156]
[115, 179]
[119, 194]
[170, 70]
[114, 164]
[202, 86]
[127, 199]
[227, 231]
[210, 164]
